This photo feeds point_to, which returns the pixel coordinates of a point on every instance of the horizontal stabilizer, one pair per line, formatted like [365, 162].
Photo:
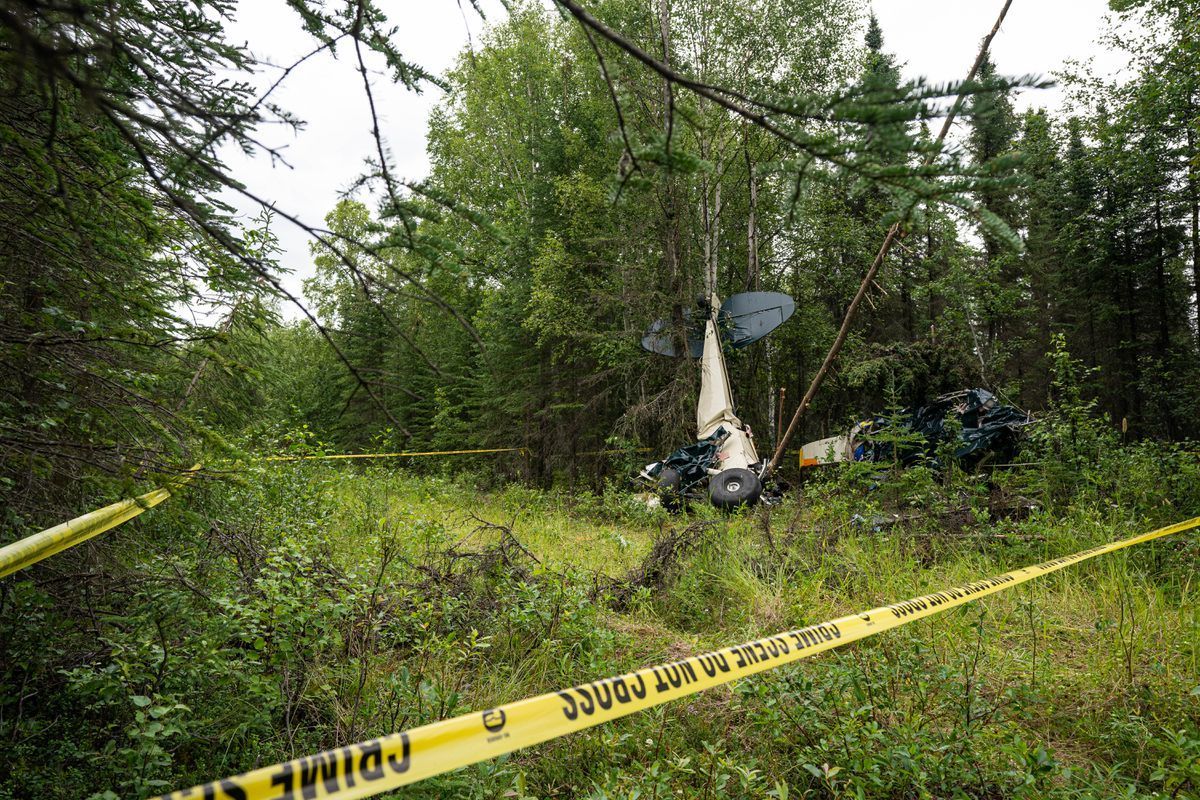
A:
[747, 317]
[662, 340]
[743, 319]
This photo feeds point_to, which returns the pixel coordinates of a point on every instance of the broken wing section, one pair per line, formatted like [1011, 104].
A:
[715, 408]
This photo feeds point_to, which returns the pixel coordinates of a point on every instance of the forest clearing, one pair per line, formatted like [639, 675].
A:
[315, 603]
[705, 403]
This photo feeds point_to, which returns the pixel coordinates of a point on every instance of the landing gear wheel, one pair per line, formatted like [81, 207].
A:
[734, 487]
[669, 483]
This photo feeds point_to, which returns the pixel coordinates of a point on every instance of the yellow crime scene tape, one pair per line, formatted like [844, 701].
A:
[439, 453]
[398, 455]
[32, 549]
[378, 765]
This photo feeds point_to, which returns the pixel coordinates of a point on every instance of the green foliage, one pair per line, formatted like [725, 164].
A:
[1070, 438]
[499, 303]
[312, 604]
[538, 347]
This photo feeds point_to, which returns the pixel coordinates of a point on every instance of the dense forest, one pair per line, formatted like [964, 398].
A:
[1092, 238]
[594, 167]
[574, 197]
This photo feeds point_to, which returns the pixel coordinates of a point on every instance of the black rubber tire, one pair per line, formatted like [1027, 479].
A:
[734, 487]
[669, 484]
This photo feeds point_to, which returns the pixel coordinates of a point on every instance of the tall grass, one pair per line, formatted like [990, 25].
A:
[311, 605]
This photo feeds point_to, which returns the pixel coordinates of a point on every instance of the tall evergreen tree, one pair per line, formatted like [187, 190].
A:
[1001, 297]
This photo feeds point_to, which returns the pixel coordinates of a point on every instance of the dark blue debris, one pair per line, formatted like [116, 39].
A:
[693, 461]
[990, 430]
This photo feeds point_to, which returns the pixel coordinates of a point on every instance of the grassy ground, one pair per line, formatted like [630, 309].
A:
[429, 512]
[311, 605]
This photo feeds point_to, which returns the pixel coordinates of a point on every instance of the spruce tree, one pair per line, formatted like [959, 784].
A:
[993, 130]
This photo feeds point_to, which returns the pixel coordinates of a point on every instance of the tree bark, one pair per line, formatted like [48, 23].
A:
[715, 228]
[670, 214]
[1160, 281]
[752, 281]
[1194, 201]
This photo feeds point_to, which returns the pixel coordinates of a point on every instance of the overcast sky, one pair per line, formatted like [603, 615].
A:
[937, 39]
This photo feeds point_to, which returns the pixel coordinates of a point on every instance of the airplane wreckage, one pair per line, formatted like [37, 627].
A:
[724, 454]
[724, 458]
